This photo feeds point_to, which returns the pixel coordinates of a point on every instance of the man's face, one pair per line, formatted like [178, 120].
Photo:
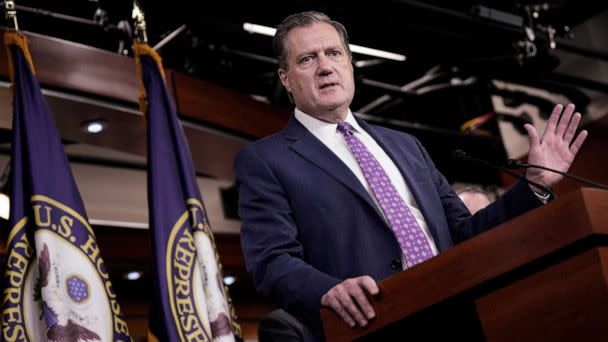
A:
[320, 73]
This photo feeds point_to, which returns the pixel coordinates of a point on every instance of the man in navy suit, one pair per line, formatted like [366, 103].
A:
[314, 232]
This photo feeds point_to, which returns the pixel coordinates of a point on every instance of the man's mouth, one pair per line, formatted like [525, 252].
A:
[327, 85]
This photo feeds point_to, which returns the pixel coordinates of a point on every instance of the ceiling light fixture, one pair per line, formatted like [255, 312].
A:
[133, 275]
[5, 201]
[259, 29]
[269, 31]
[229, 280]
[94, 126]
[5, 206]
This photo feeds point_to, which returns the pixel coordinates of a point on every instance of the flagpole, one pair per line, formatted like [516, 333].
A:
[10, 11]
[139, 22]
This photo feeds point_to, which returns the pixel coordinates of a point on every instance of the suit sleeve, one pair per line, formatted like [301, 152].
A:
[518, 200]
[273, 254]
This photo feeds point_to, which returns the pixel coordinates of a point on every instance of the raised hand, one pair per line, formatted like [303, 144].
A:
[349, 300]
[557, 148]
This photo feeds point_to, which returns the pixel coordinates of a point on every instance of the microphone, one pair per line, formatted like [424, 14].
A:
[516, 164]
[462, 155]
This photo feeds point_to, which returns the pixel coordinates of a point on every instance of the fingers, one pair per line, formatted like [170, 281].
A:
[564, 121]
[553, 119]
[561, 126]
[566, 127]
[369, 284]
[355, 308]
[331, 300]
[555, 150]
[576, 145]
[569, 134]
[366, 285]
[349, 300]
[532, 135]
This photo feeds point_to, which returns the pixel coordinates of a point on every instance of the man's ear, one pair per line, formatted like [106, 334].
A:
[284, 79]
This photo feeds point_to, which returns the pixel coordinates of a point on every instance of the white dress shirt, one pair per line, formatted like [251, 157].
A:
[329, 135]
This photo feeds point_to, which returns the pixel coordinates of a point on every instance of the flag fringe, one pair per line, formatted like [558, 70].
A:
[141, 49]
[152, 337]
[19, 39]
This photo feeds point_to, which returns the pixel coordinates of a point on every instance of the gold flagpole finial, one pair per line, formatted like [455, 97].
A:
[139, 22]
[10, 11]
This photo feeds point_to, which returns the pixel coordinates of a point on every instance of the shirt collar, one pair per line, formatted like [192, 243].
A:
[324, 129]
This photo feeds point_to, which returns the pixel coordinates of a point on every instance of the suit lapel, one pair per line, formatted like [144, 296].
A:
[309, 147]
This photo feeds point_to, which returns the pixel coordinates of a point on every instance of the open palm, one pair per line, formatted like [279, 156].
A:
[557, 147]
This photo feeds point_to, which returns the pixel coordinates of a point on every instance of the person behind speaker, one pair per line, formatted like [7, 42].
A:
[315, 230]
[475, 197]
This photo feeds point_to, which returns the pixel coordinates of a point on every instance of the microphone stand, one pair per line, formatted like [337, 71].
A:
[460, 154]
[514, 164]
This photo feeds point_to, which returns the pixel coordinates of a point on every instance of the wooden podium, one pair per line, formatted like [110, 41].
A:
[541, 276]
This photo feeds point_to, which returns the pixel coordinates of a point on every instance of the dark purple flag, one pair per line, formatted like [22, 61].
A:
[55, 282]
[191, 302]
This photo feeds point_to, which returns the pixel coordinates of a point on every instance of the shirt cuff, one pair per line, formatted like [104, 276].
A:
[544, 198]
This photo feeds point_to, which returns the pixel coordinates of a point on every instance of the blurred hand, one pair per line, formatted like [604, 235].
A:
[349, 300]
[557, 148]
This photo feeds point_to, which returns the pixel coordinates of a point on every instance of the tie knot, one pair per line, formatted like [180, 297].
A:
[344, 128]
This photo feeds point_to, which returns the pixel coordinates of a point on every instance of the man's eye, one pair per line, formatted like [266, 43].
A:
[335, 53]
[305, 59]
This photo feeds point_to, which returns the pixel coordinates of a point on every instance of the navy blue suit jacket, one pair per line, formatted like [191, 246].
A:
[308, 223]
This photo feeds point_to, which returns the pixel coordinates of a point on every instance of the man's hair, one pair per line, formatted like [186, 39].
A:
[304, 19]
[491, 192]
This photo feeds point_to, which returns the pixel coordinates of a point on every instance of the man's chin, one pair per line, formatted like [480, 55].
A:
[334, 104]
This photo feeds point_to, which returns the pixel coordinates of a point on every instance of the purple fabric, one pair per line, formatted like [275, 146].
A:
[414, 245]
[40, 177]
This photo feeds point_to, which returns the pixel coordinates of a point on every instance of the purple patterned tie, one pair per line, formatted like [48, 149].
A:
[414, 245]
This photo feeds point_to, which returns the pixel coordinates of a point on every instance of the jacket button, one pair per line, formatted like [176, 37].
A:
[396, 264]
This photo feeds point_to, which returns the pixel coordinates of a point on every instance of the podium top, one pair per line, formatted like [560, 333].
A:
[574, 222]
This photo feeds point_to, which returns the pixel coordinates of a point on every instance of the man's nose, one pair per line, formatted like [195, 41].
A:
[325, 66]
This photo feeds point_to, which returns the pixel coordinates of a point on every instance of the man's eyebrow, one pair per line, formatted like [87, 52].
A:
[305, 53]
[334, 47]
[313, 51]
